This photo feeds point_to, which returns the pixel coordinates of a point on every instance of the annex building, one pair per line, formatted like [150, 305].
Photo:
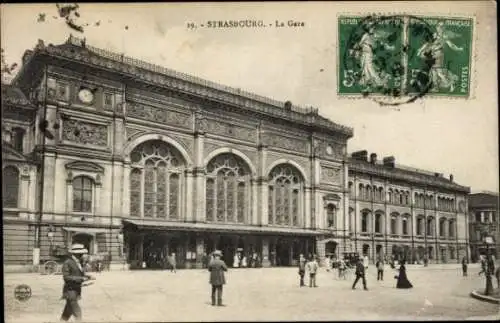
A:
[137, 162]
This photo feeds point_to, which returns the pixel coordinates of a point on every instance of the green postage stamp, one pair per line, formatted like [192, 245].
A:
[404, 56]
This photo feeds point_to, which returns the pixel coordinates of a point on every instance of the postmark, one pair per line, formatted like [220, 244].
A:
[398, 58]
[22, 292]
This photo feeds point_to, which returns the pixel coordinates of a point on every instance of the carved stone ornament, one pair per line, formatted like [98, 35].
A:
[231, 130]
[85, 133]
[331, 175]
[159, 115]
[291, 144]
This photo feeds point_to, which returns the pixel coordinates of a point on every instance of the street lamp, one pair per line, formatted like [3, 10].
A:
[488, 240]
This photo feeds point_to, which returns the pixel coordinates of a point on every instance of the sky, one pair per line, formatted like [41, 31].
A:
[445, 135]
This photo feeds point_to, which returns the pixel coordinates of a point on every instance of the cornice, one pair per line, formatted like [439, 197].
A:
[76, 50]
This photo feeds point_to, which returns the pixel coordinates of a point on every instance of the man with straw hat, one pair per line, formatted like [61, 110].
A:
[73, 276]
[217, 267]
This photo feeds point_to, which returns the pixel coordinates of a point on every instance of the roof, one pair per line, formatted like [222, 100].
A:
[477, 200]
[13, 95]
[76, 49]
[407, 174]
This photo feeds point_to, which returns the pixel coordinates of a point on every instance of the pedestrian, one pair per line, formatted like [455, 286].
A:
[73, 276]
[342, 269]
[312, 268]
[380, 269]
[464, 266]
[483, 265]
[302, 269]
[244, 262]
[173, 263]
[403, 281]
[360, 274]
[365, 261]
[497, 275]
[217, 267]
[204, 260]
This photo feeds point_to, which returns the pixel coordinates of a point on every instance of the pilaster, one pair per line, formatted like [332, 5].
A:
[189, 201]
[307, 207]
[48, 182]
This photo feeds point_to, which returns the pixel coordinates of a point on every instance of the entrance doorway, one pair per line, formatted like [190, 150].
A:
[331, 249]
[226, 245]
[85, 239]
[283, 253]
[154, 251]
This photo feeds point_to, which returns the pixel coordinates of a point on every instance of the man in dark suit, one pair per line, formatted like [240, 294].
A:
[217, 267]
[73, 276]
[360, 273]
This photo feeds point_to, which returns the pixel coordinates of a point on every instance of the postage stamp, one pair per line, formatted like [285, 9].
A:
[404, 57]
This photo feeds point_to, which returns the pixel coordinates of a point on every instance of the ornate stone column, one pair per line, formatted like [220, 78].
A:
[198, 198]
[126, 188]
[189, 201]
[307, 207]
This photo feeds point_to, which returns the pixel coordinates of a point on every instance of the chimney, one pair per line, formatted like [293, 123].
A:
[360, 155]
[288, 105]
[389, 161]
[373, 158]
[451, 177]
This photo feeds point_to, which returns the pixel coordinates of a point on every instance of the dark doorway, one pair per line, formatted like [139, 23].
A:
[283, 253]
[85, 240]
[331, 248]
[226, 245]
[154, 253]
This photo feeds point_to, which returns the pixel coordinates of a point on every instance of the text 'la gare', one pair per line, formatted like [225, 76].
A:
[290, 23]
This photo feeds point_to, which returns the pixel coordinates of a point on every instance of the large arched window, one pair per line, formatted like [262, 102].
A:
[285, 195]
[10, 187]
[228, 189]
[155, 180]
[331, 215]
[82, 194]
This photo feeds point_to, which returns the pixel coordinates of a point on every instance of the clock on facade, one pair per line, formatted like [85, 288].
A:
[85, 95]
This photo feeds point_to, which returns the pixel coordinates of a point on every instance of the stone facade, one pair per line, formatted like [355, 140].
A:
[116, 148]
[483, 221]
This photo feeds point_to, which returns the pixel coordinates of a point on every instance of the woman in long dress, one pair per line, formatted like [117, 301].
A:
[403, 281]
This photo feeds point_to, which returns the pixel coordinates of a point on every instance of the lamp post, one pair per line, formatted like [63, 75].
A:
[488, 240]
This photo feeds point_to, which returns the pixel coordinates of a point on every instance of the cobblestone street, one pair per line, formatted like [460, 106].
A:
[254, 294]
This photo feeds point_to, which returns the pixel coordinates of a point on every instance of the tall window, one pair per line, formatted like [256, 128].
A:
[331, 212]
[420, 225]
[362, 192]
[394, 221]
[381, 194]
[405, 225]
[351, 192]
[390, 195]
[364, 222]
[451, 228]
[82, 194]
[368, 192]
[155, 180]
[430, 227]
[10, 187]
[378, 223]
[18, 139]
[442, 224]
[227, 189]
[285, 195]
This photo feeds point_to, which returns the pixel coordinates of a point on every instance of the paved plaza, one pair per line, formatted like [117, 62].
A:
[255, 294]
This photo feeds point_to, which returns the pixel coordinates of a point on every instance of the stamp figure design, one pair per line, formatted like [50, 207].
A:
[404, 56]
